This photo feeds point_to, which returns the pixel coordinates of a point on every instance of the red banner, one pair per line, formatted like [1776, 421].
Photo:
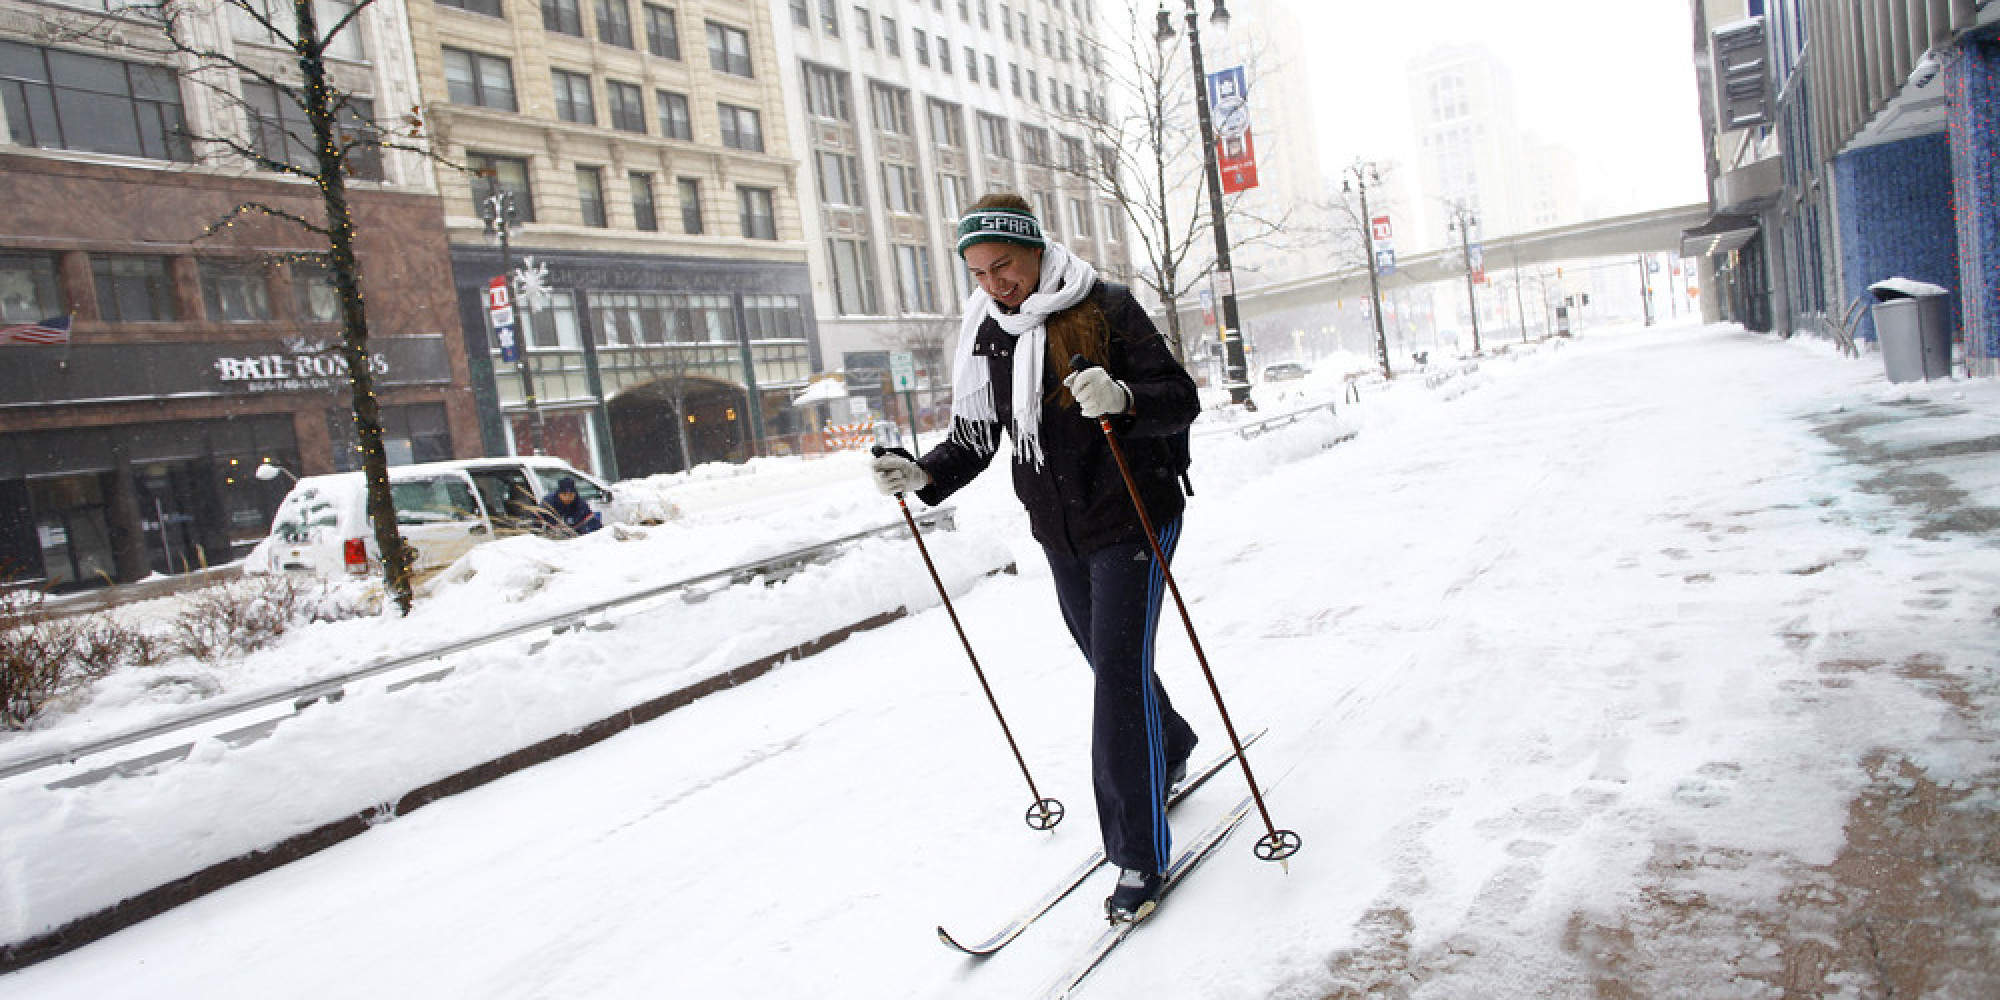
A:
[1237, 158]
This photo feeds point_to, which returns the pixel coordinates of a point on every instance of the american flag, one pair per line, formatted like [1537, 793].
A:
[48, 331]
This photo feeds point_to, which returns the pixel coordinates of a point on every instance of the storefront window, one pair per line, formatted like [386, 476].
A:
[28, 290]
[74, 531]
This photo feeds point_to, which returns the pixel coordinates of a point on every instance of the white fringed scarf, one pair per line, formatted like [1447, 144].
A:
[1065, 280]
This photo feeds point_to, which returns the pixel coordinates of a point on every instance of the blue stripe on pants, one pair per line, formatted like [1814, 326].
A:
[1110, 599]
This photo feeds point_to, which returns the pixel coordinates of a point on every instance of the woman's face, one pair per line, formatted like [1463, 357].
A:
[1008, 272]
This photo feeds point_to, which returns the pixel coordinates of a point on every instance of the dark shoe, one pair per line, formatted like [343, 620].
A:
[1135, 897]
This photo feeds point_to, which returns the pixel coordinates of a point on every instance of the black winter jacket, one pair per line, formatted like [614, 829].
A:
[1077, 501]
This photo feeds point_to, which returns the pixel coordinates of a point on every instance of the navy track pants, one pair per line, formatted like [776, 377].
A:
[1110, 598]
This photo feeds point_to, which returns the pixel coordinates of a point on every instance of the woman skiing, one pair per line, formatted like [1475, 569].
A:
[1037, 307]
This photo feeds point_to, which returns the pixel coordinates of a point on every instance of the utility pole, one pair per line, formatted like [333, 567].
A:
[1462, 220]
[498, 211]
[1359, 176]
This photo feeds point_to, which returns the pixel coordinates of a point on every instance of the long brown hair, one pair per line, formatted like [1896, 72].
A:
[1080, 329]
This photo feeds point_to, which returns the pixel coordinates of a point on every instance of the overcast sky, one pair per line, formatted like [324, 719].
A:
[1611, 79]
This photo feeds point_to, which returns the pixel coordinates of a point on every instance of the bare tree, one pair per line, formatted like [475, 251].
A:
[1149, 161]
[330, 135]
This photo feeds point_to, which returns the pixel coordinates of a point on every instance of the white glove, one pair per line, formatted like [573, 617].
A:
[896, 472]
[1097, 393]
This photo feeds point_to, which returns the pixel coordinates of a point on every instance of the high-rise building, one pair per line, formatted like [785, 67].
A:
[149, 365]
[644, 152]
[1469, 147]
[907, 111]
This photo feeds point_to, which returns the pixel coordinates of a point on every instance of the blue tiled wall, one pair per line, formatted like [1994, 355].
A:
[1972, 91]
[1896, 217]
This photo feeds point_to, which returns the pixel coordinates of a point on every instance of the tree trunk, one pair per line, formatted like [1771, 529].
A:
[396, 554]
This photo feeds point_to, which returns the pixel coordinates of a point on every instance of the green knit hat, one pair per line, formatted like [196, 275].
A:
[1000, 225]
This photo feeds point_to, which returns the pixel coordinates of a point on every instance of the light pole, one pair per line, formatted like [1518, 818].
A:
[1236, 371]
[500, 215]
[1462, 221]
[1359, 176]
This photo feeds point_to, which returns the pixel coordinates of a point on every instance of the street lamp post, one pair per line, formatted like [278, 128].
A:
[1359, 176]
[1236, 371]
[498, 211]
[1462, 221]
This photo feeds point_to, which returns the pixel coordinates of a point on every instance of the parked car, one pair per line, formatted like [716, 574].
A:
[443, 509]
[1284, 371]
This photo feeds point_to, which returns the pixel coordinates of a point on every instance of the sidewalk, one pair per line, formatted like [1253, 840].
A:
[1910, 906]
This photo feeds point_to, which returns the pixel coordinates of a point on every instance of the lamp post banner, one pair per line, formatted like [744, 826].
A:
[1235, 152]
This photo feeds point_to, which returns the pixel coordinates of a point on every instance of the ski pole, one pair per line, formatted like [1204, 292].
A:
[1276, 845]
[1046, 812]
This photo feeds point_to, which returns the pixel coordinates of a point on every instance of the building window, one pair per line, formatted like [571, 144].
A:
[235, 291]
[645, 216]
[690, 206]
[742, 128]
[853, 277]
[1048, 211]
[28, 289]
[1113, 222]
[947, 124]
[675, 120]
[627, 106]
[663, 32]
[826, 94]
[1076, 156]
[890, 43]
[479, 79]
[67, 100]
[839, 179]
[993, 137]
[490, 8]
[914, 282]
[590, 196]
[801, 14]
[129, 290]
[985, 16]
[1079, 219]
[315, 297]
[1007, 22]
[563, 16]
[1014, 77]
[280, 133]
[494, 174]
[829, 17]
[245, 24]
[614, 23]
[992, 73]
[900, 189]
[920, 44]
[1034, 88]
[951, 195]
[944, 55]
[971, 64]
[1035, 145]
[864, 27]
[573, 98]
[728, 49]
[754, 207]
[892, 108]
[553, 328]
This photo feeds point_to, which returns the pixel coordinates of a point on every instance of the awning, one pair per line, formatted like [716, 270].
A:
[825, 390]
[1722, 233]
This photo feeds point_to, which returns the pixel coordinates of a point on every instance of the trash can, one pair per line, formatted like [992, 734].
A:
[1913, 327]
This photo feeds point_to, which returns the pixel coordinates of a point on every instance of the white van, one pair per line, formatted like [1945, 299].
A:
[442, 508]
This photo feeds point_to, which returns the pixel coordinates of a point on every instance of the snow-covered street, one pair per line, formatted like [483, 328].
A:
[1595, 632]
